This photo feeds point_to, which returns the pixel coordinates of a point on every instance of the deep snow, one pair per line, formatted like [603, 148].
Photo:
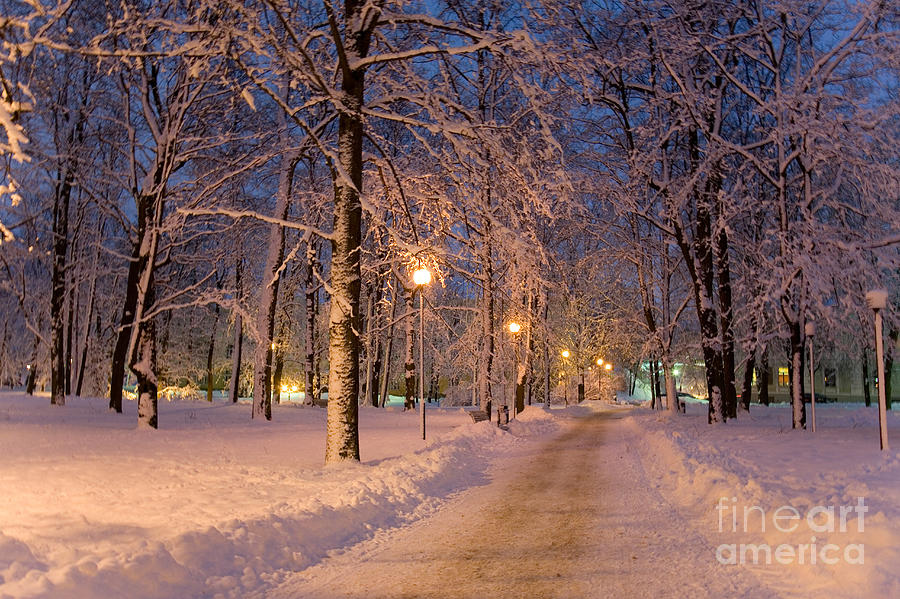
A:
[212, 504]
[216, 505]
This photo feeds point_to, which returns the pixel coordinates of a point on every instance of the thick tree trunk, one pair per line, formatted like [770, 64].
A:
[142, 360]
[123, 337]
[143, 357]
[58, 367]
[671, 390]
[798, 407]
[729, 393]
[342, 432]
[268, 297]
[235, 384]
[409, 363]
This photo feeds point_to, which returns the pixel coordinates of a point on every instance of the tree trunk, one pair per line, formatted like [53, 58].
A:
[487, 324]
[309, 336]
[729, 394]
[342, 432]
[92, 294]
[209, 356]
[763, 379]
[123, 338]
[234, 384]
[143, 358]
[70, 324]
[671, 390]
[544, 317]
[798, 406]
[268, 298]
[277, 371]
[388, 348]
[747, 385]
[58, 367]
[889, 366]
[867, 393]
[369, 346]
[409, 363]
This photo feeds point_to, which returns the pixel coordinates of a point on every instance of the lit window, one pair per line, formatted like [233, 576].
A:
[784, 378]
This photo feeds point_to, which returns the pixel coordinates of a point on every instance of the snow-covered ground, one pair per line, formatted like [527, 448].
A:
[211, 504]
[215, 505]
[788, 483]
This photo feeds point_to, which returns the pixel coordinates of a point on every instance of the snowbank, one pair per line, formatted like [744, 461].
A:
[829, 500]
[213, 505]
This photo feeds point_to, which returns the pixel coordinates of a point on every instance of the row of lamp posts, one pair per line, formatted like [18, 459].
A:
[876, 299]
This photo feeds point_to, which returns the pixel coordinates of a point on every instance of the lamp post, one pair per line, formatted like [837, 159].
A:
[565, 355]
[599, 380]
[877, 300]
[514, 328]
[810, 333]
[422, 277]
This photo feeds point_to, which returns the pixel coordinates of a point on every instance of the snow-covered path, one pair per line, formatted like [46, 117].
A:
[576, 517]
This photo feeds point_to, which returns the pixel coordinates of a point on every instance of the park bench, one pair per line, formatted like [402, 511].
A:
[478, 416]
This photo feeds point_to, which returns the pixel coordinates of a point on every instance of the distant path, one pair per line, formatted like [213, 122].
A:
[574, 518]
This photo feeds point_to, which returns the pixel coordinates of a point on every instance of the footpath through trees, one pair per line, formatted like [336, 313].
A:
[576, 517]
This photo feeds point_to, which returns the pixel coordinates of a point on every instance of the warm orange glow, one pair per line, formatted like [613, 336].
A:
[422, 276]
[565, 353]
[514, 327]
[599, 361]
[608, 366]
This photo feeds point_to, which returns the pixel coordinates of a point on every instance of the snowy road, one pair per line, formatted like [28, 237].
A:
[576, 517]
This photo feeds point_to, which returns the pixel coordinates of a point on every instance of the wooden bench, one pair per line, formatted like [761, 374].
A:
[478, 416]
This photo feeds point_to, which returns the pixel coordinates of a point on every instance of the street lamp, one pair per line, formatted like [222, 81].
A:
[877, 300]
[565, 355]
[599, 379]
[422, 277]
[810, 331]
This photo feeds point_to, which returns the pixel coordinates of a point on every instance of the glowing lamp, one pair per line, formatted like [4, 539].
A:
[514, 327]
[422, 276]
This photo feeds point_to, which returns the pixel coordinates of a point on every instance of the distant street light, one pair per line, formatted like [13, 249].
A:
[599, 379]
[566, 354]
[422, 277]
[877, 300]
[514, 327]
